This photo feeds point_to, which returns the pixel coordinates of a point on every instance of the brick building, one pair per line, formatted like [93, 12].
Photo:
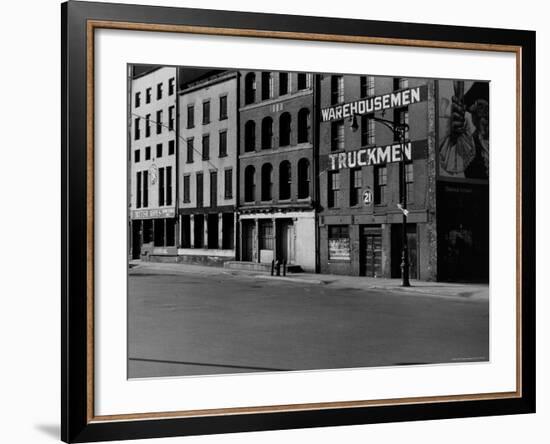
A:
[152, 161]
[208, 119]
[276, 161]
[360, 158]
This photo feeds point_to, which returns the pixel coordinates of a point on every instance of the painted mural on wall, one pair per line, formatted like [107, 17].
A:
[463, 129]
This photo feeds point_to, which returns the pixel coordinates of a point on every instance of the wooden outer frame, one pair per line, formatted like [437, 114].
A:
[79, 20]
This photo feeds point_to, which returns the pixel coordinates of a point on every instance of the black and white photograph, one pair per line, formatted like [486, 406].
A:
[297, 221]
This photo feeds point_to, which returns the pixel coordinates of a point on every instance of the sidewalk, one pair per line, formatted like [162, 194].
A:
[435, 289]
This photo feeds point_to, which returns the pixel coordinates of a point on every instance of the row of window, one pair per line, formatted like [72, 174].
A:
[206, 112]
[159, 153]
[285, 129]
[285, 181]
[368, 129]
[366, 87]
[158, 123]
[159, 92]
[199, 187]
[335, 195]
[164, 187]
[268, 85]
[205, 144]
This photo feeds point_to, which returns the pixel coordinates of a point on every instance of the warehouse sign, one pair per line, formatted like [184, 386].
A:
[395, 99]
[370, 156]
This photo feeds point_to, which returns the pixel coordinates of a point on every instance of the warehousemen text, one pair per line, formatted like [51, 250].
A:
[378, 103]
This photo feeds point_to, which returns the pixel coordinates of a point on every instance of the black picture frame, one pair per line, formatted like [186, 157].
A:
[77, 425]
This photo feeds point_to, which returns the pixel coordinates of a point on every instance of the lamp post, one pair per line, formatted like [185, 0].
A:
[399, 131]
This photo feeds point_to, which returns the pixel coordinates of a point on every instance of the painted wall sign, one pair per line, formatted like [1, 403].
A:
[154, 213]
[395, 99]
[339, 249]
[463, 121]
[370, 156]
[377, 155]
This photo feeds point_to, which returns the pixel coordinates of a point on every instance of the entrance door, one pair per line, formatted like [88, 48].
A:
[397, 249]
[371, 253]
[285, 241]
[248, 241]
[136, 239]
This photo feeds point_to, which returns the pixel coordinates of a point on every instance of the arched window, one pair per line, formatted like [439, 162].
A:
[303, 125]
[267, 181]
[249, 184]
[284, 129]
[285, 180]
[267, 133]
[250, 88]
[267, 85]
[249, 136]
[303, 178]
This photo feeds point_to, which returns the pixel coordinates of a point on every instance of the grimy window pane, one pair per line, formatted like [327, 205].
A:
[169, 185]
[145, 189]
[161, 187]
[138, 189]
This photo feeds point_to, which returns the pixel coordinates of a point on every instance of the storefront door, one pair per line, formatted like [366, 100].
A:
[248, 240]
[285, 241]
[136, 239]
[371, 252]
[397, 250]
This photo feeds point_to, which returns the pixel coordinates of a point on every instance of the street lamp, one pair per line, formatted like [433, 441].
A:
[399, 131]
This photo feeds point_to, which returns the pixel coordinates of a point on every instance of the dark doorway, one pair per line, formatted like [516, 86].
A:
[213, 231]
[158, 229]
[462, 232]
[198, 232]
[397, 250]
[136, 239]
[370, 251]
[170, 234]
[285, 240]
[228, 231]
[185, 240]
[248, 240]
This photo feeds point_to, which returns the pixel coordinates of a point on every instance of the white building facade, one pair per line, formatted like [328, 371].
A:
[152, 162]
[208, 123]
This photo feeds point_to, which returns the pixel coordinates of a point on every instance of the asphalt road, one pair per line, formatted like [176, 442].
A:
[198, 323]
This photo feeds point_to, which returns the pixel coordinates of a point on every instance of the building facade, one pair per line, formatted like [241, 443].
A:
[152, 162]
[260, 166]
[207, 197]
[276, 162]
[360, 158]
